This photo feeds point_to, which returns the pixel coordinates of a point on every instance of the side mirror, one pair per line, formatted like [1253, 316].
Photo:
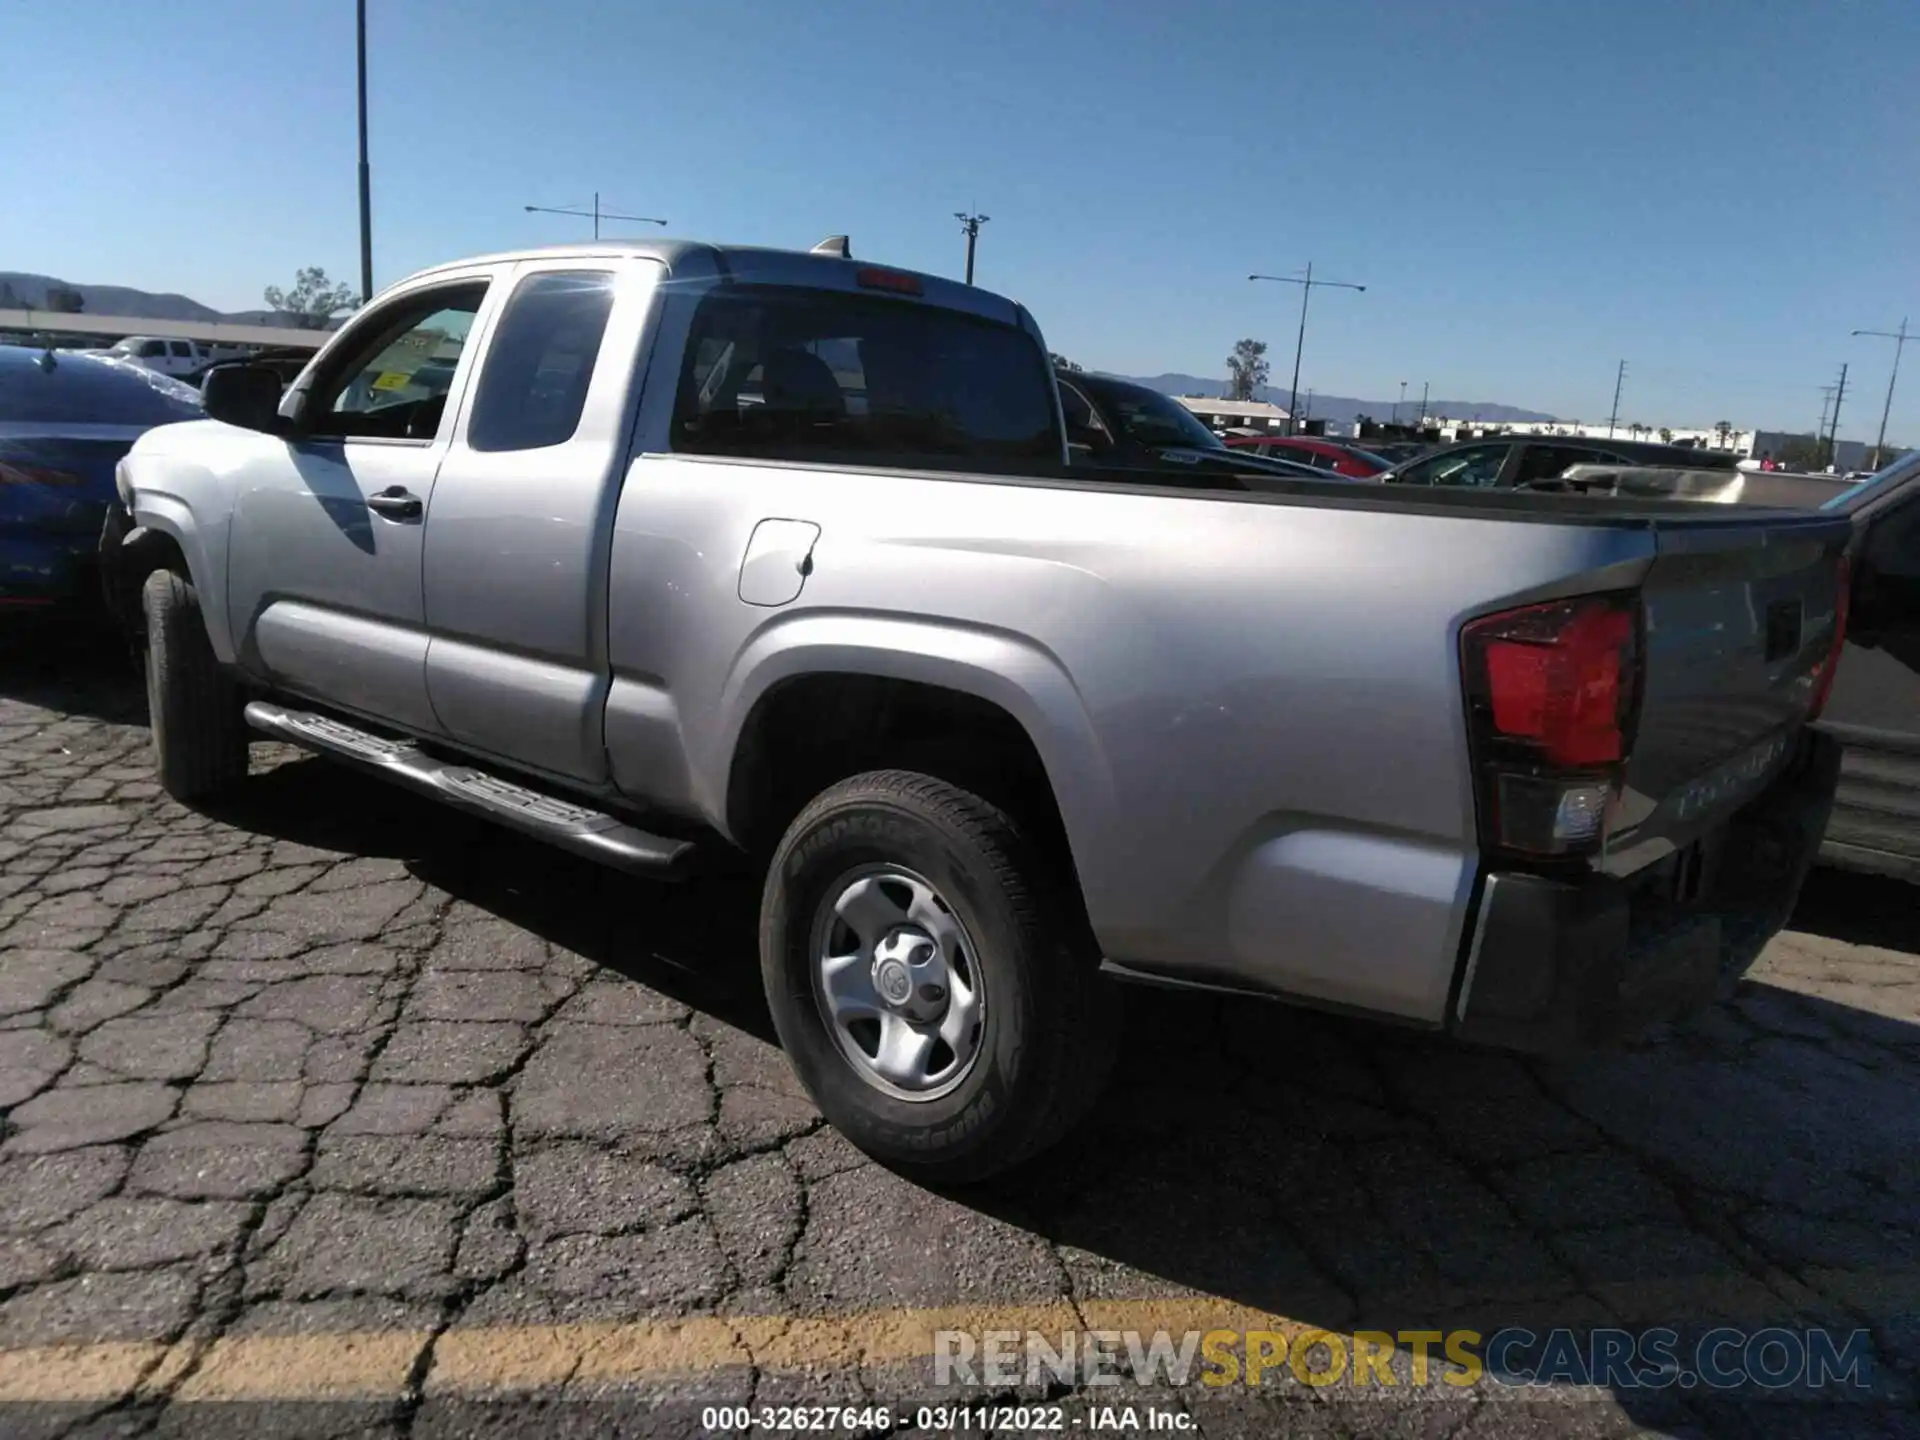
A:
[243, 395]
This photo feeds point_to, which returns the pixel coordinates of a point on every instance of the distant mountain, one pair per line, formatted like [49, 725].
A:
[1341, 409]
[30, 291]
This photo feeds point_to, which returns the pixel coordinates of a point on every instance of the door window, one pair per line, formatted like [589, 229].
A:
[1549, 462]
[1474, 465]
[154, 350]
[539, 363]
[181, 349]
[394, 385]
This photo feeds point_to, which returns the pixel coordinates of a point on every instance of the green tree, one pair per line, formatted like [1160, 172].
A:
[1246, 369]
[313, 300]
[1721, 430]
[1666, 435]
[1061, 362]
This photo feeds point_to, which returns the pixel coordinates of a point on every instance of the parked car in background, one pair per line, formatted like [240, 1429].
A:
[65, 421]
[1875, 707]
[1117, 423]
[655, 578]
[1314, 450]
[1509, 461]
[178, 358]
[283, 361]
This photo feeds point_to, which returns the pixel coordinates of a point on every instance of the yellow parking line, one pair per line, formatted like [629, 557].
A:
[516, 1359]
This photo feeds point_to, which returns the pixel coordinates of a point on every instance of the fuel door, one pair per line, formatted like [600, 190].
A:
[778, 560]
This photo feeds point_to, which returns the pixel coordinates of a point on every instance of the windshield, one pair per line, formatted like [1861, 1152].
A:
[1146, 417]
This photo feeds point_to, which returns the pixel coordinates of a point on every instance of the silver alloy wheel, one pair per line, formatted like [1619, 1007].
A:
[898, 982]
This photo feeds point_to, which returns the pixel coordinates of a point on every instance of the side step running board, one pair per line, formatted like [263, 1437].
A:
[588, 832]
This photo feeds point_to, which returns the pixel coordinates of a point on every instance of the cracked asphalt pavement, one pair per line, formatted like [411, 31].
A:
[339, 1114]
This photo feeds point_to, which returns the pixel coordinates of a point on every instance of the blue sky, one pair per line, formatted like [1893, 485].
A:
[1716, 190]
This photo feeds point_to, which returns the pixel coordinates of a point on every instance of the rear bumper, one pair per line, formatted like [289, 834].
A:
[1560, 966]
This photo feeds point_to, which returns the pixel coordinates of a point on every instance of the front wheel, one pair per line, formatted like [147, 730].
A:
[930, 979]
[193, 706]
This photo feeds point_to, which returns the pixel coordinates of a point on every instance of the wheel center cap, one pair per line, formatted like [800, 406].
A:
[910, 974]
[893, 981]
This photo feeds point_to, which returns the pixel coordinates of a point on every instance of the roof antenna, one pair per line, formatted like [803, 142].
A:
[836, 245]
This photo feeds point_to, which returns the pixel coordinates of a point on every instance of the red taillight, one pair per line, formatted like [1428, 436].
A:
[1830, 663]
[1551, 694]
[898, 281]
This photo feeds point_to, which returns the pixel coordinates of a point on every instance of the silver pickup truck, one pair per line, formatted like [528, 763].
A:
[670, 551]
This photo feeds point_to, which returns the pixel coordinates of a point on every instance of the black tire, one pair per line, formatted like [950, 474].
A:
[193, 706]
[1051, 1022]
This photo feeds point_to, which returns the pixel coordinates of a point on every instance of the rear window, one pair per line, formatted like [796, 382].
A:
[782, 373]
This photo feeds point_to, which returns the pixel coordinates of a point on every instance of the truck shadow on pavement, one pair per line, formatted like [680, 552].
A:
[1754, 1167]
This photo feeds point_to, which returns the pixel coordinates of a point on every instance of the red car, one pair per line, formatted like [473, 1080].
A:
[1321, 454]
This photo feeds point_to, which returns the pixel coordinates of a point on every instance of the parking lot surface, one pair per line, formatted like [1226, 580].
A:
[336, 1114]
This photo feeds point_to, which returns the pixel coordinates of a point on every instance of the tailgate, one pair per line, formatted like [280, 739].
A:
[1740, 616]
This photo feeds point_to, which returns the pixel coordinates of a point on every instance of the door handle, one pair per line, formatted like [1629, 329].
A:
[396, 503]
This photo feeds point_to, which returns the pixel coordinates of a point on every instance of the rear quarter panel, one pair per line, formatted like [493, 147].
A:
[1250, 712]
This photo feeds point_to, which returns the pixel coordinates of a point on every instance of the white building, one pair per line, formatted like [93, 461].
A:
[1740, 442]
[1235, 414]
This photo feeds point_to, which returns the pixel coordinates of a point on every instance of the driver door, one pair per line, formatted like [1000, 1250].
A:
[324, 571]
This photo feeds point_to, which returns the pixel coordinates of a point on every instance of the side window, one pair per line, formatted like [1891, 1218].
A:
[1475, 465]
[794, 373]
[533, 385]
[1546, 462]
[181, 349]
[154, 350]
[394, 385]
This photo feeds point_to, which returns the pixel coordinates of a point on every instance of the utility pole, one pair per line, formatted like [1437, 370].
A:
[1899, 338]
[1833, 423]
[1619, 379]
[1306, 284]
[596, 214]
[970, 225]
[1423, 405]
[1826, 400]
[366, 179]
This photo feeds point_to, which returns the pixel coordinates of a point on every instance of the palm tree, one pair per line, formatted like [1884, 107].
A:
[1666, 435]
[1721, 430]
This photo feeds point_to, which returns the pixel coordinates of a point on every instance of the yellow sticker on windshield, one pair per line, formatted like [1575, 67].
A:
[392, 380]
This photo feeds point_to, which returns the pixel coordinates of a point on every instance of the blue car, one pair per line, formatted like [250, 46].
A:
[65, 421]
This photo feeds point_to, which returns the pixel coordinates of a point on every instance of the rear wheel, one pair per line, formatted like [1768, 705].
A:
[934, 987]
[193, 706]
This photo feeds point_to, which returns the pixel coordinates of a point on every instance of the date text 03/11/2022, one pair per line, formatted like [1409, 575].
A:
[994, 1419]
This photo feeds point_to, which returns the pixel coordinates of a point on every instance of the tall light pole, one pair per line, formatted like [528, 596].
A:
[1833, 421]
[1423, 405]
[1619, 379]
[1398, 403]
[596, 214]
[1899, 338]
[971, 224]
[1306, 283]
[366, 179]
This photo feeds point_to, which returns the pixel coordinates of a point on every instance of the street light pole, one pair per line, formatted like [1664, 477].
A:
[1398, 403]
[1306, 285]
[971, 225]
[366, 182]
[596, 214]
[1899, 338]
[1423, 404]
